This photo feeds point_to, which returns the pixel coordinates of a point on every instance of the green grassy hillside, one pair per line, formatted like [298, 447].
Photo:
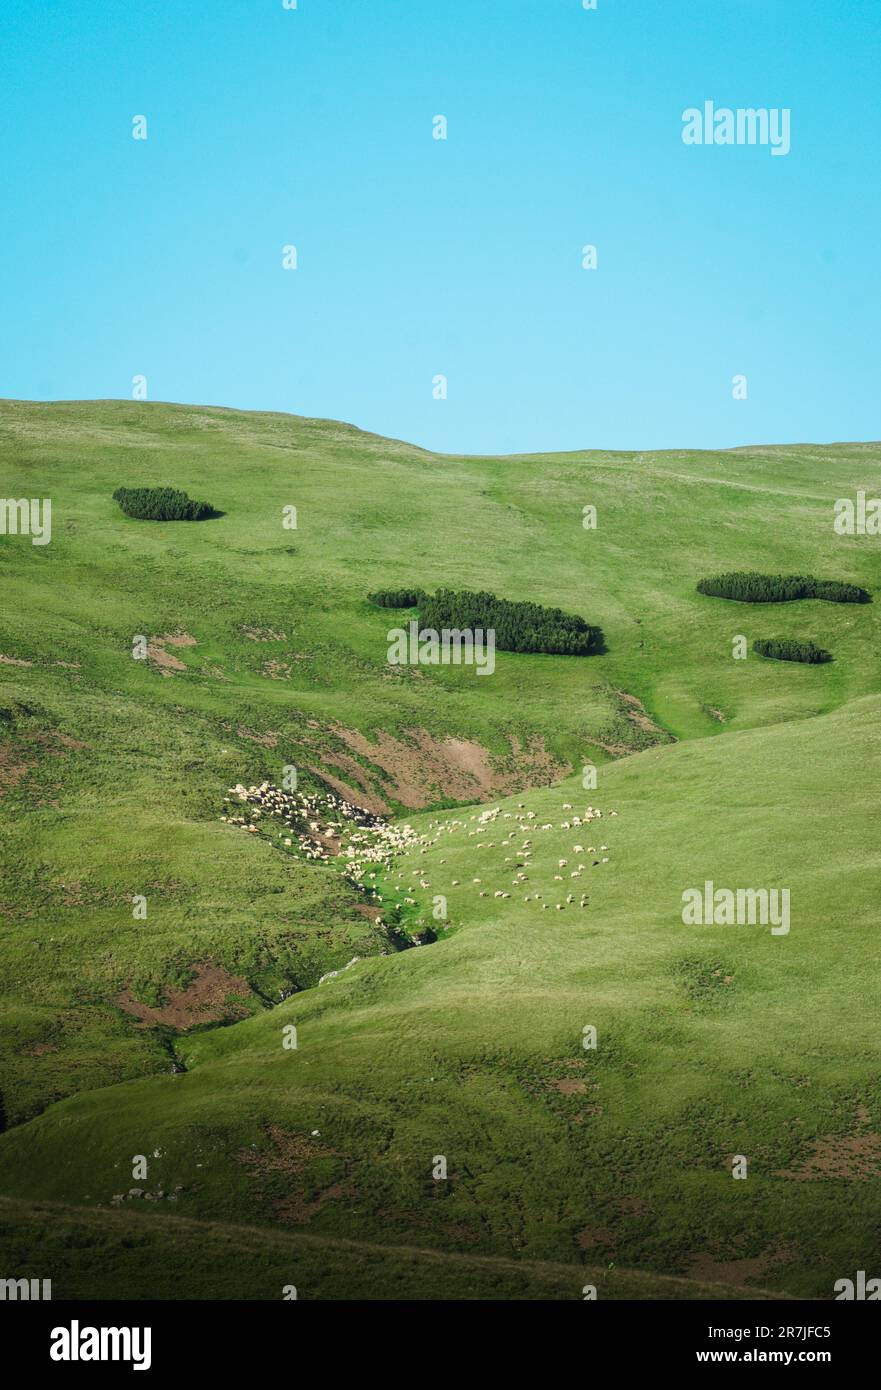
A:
[179, 1259]
[712, 1041]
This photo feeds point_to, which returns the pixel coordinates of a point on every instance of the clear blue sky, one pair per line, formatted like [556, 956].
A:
[268, 126]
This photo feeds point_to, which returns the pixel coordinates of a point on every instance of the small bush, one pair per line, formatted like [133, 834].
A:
[748, 587]
[397, 598]
[518, 627]
[786, 649]
[161, 504]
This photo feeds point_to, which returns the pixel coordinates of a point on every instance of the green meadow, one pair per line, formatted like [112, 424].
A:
[440, 1129]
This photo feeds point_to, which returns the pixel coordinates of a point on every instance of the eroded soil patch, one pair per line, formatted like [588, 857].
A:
[276, 670]
[419, 769]
[569, 1087]
[18, 756]
[293, 1156]
[163, 660]
[631, 728]
[262, 634]
[213, 996]
[856, 1157]
[738, 1272]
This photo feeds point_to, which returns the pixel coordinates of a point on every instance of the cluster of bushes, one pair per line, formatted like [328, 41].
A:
[518, 627]
[780, 588]
[161, 504]
[397, 598]
[786, 649]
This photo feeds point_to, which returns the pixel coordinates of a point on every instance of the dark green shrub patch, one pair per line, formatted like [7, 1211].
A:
[786, 649]
[749, 587]
[161, 504]
[397, 598]
[518, 627]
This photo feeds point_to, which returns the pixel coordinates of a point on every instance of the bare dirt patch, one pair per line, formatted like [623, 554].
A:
[13, 766]
[213, 996]
[291, 1155]
[855, 1157]
[615, 750]
[267, 740]
[262, 634]
[712, 1270]
[418, 769]
[276, 670]
[630, 728]
[61, 740]
[162, 659]
[358, 789]
[19, 756]
[14, 661]
[570, 1087]
[635, 711]
[365, 910]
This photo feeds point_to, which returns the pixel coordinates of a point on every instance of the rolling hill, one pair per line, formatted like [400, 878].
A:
[164, 1035]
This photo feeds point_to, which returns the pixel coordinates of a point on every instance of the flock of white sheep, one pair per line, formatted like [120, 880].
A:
[518, 863]
[326, 828]
[323, 827]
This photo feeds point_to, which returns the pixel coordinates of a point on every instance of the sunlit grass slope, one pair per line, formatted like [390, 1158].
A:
[711, 1042]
